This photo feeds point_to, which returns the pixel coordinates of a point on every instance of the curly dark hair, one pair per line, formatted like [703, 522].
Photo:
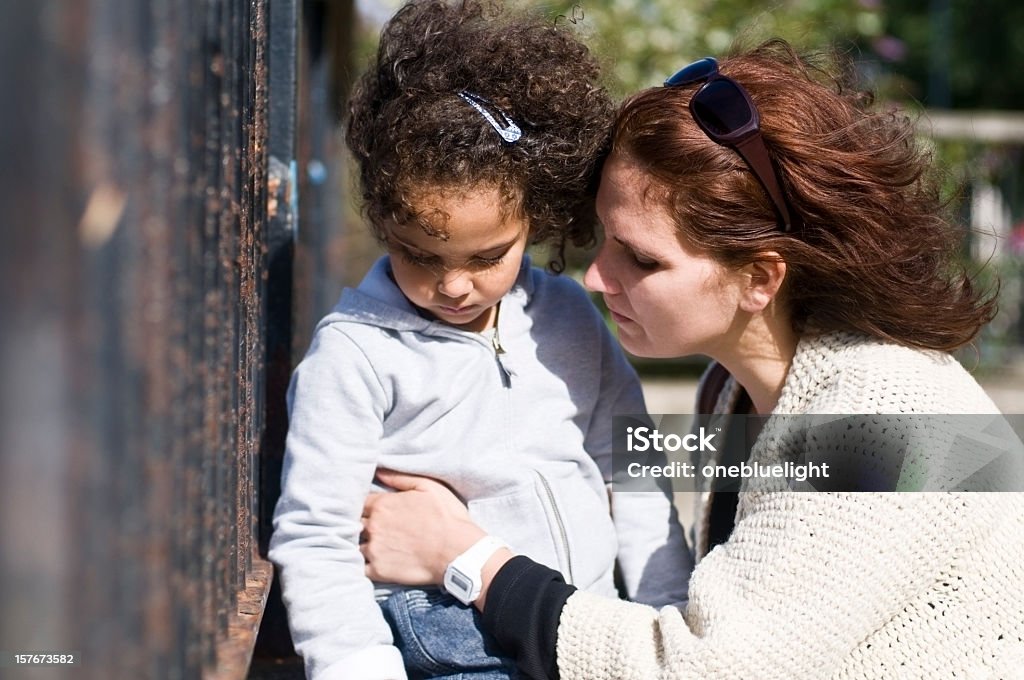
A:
[877, 252]
[411, 131]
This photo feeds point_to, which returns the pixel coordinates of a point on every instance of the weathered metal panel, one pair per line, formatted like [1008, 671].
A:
[132, 333]
[309, 60]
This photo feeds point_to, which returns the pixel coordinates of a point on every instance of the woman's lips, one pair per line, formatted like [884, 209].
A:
[619, 318]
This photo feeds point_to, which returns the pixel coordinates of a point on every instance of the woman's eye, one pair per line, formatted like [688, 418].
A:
[643, 262]
[638, 260]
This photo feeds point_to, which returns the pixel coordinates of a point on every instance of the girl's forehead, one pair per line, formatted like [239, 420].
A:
[462, 223]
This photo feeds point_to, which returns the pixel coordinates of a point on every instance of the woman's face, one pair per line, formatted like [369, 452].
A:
[666, 298]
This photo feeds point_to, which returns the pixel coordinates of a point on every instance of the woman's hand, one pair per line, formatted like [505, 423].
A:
[411, 536]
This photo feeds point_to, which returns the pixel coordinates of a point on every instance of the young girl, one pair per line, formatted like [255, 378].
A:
[476, 135]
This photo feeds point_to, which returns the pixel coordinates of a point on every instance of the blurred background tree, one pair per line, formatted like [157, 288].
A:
[957, 53]
[643, 41]
[941, 53]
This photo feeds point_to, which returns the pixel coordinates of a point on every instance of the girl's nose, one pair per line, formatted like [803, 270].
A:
[455, 284]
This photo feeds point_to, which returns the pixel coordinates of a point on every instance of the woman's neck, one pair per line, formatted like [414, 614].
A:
[760, 360]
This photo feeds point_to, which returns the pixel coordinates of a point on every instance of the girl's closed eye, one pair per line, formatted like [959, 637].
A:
[415, 257]
[485, 262]
[490, 258]
[422, 259]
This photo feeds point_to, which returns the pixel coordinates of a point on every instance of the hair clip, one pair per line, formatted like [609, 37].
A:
[510, 132]
[574, 18]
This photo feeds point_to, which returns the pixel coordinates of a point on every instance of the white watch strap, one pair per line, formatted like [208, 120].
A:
[462, 578]
[481, 551]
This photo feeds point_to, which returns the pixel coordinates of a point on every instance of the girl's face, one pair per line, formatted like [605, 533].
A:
[667, 299]
[460, 280]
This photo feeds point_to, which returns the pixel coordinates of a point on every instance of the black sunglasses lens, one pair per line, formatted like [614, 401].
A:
[694, 73]
[721, 107]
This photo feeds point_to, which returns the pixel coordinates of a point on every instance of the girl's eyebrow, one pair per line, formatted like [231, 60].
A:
[499, 248]
[487, 251]
[408, 245]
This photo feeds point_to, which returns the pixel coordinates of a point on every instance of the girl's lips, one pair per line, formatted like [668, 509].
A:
[458, 311]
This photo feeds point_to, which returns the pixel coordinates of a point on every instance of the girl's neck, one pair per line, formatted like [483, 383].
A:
[760, 360]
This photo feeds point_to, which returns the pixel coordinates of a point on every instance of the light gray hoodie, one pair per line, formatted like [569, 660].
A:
[519, 428]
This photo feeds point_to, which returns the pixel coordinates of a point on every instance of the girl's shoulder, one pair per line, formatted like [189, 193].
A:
[559, 307]
[541, 278]
[544, 288]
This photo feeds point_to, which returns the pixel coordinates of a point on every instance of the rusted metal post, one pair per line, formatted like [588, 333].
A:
[132, 339]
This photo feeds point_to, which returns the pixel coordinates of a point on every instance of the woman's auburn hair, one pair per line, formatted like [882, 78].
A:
[412, 133]
[876, 253]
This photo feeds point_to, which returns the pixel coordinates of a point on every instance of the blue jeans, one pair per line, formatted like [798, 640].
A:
[440, 637]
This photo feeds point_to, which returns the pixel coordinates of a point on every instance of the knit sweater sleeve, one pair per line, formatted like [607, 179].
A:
[803, 581]
[524, 602]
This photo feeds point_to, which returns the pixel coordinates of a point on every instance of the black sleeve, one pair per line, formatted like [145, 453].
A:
[524, 604]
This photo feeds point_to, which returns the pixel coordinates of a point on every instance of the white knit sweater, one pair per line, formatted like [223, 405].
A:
[832, 585]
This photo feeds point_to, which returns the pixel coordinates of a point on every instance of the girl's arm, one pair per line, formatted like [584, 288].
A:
[336, 407]
[654, 560]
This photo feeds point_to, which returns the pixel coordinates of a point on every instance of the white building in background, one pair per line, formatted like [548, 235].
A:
[991, 222]
[995, 237]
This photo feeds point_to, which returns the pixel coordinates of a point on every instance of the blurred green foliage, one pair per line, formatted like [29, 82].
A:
[941, 53]
[644, 41]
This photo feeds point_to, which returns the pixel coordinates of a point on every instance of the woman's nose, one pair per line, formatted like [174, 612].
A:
[455, 284]
[596, 278]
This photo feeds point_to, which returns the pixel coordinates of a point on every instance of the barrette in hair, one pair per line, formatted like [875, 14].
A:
[508, 130]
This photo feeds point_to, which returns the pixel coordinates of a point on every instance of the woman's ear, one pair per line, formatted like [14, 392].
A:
[764, 278]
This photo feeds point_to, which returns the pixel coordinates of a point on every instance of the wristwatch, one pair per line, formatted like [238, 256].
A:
[462, 579]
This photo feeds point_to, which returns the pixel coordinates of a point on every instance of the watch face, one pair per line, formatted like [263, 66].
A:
[460, 581]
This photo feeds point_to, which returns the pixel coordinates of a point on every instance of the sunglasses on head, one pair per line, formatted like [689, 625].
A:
[725, 112]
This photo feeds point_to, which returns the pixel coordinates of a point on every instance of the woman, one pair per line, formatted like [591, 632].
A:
[760, 213]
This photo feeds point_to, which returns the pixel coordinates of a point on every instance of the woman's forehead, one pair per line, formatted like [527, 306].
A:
[627, 192]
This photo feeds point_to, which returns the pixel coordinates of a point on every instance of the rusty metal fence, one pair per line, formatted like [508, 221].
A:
[143, 207]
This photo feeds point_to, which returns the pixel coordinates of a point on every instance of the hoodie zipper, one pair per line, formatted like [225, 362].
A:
[496, 342]
[560, 525]
[506, 375]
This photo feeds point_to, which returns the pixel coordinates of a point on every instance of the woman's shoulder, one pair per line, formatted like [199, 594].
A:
[875, 356]
[859, 374]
